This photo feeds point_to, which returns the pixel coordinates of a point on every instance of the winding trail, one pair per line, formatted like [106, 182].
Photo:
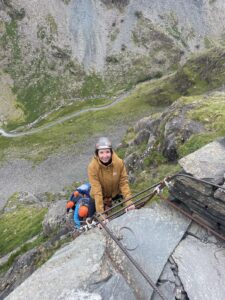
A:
[59, 169]
[14, 134]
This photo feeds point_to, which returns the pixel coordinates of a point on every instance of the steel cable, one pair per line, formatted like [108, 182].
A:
[137, 266]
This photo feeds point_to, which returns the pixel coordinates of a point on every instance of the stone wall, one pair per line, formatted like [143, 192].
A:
[206, 200]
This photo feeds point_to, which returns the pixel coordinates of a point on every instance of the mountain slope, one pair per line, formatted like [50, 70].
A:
[60, 49]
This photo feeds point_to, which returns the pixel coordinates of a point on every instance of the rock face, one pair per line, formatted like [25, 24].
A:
[112, 41]
[55, 217]
[163, 134]
[201, 269]
[22, 268]
[207, 163]
[184, 261]
[91, 30]
[92, 264]
[146, 227]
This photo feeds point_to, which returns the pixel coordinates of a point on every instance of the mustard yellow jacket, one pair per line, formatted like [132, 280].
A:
[108, 181]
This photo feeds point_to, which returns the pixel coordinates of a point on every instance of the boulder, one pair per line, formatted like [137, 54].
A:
[79, 268]
[142, 137]
[55, 217]
[131, 161]
[147, 123]
[207, 162]
[178, 130]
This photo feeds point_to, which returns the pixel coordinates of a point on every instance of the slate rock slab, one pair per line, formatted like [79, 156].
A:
[207, 162]
[151, 234]
[78, 271]
[201, 268]
[85, 265]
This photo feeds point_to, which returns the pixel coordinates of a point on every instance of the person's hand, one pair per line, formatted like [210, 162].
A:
[104, 222]
[131, 207]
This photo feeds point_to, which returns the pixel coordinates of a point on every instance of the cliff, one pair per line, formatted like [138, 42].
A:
[55, 51]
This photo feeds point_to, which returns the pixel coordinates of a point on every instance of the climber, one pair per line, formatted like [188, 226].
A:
[108, 178]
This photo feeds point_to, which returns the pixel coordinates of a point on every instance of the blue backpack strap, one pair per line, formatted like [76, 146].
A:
[82, 201]
[76, 216]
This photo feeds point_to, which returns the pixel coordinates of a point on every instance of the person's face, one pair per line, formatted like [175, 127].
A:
[104, 155]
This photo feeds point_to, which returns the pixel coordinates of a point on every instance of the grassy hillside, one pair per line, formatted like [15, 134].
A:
[199, 84]
[199, 75]
[46, 74]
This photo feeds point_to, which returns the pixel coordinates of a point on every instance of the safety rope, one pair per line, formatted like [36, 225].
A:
[143, 200]
[139, 201]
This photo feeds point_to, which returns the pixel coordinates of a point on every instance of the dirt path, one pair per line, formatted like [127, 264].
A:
[63, 119]
[59, 170]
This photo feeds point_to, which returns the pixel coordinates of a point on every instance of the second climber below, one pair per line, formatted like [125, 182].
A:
[108, 178]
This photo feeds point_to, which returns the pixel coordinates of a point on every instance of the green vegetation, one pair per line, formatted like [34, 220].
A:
[156, 158]
[39, 88]
[197, 76]
[52, 24]
[119, 4]
[77, 106]
[200, 74]
[45, 86]
[173, 28]
[161, 55]
[24, 248]
[62, 136]
[10, 37]
[153, 175]
[93, 85]
[19, 226]
[41, 32]
[114, 34]
[210, 111]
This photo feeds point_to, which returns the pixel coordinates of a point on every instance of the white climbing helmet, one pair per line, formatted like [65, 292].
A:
[103, 143]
